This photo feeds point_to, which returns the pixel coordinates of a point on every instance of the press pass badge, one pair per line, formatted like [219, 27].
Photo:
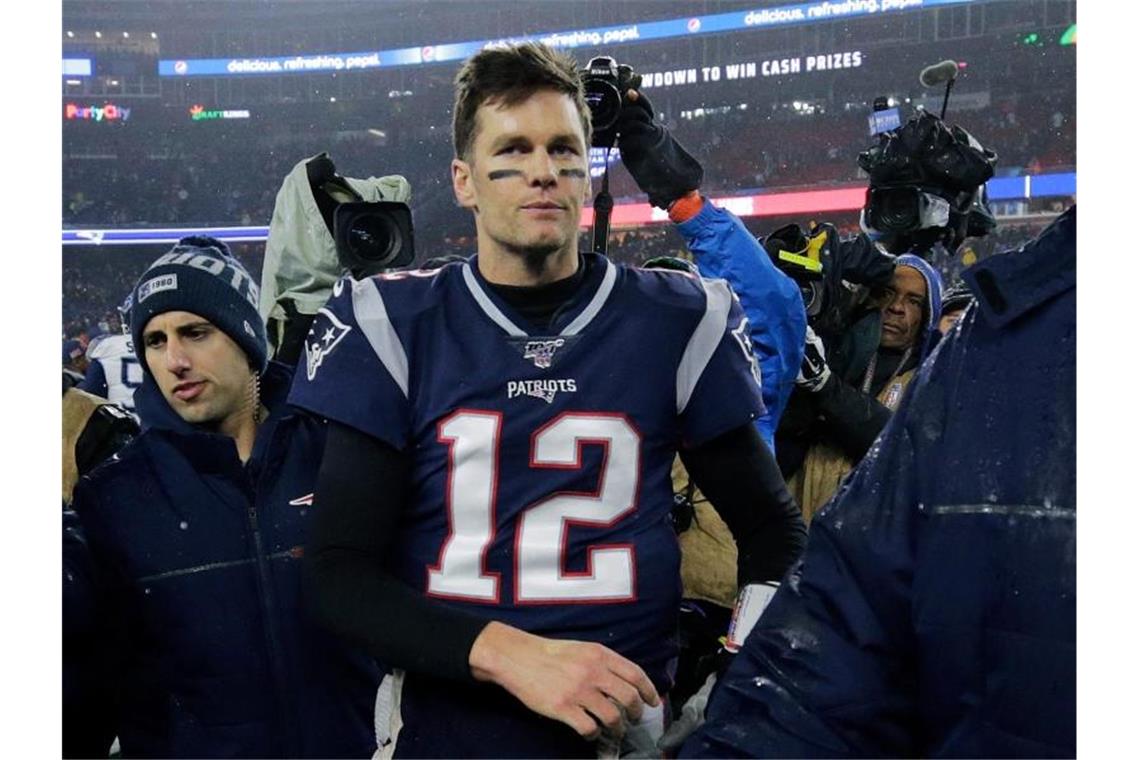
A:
[750, 604]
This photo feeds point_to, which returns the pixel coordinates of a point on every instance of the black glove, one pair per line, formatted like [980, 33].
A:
[661, 167]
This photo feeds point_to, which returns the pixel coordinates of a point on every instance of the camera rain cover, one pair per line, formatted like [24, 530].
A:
[924, 151]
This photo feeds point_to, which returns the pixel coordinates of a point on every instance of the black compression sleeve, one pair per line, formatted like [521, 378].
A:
[361, 493]
[740, 477]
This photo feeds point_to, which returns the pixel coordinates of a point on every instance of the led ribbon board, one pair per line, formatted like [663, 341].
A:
[608, 36]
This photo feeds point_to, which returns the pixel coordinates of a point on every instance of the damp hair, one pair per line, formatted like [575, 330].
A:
[508, 75]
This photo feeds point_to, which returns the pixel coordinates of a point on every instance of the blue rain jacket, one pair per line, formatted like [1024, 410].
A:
[723, 247]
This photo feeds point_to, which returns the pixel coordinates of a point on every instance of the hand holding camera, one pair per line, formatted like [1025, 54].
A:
[661, 167]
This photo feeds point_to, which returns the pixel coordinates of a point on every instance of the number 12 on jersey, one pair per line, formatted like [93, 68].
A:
[473, 439]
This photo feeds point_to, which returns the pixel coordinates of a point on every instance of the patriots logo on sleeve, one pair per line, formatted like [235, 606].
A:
[325, 334]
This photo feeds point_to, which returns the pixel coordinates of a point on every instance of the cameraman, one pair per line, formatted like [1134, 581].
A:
[845, 408]
[927, 195]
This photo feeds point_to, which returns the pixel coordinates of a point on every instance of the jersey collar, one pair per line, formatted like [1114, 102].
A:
[585, 304]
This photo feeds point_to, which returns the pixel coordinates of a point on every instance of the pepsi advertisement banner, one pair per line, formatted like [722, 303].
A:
[784, 15]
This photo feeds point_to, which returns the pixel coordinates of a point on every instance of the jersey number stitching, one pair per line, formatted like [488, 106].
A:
[542, 530]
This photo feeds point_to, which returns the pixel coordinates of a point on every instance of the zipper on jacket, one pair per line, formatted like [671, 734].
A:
[286, 707]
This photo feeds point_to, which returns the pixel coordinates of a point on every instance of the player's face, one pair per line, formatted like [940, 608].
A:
[527, 175]
[902, 314]
[201, 371]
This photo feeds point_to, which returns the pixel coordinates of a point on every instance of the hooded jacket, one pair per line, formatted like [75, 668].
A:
[933, 613]
[184, 576]
[840, 415]
[846, 420]
[852, 418]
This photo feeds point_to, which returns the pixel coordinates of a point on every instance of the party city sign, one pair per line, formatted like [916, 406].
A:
[105, 112]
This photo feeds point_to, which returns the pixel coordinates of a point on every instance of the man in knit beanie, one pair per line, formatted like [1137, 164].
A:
[198, 336]
[182, 574]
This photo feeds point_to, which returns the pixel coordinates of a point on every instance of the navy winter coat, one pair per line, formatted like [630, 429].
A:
[186, 583]
[933, 613]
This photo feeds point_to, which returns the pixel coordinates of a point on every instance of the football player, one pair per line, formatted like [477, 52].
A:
[495, 494]
[113, 371]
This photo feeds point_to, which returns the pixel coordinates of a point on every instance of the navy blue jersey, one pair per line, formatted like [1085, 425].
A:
[540, 458]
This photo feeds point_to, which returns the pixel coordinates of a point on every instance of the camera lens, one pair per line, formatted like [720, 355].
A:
[371, 237]
[895, 210]
[604, 102]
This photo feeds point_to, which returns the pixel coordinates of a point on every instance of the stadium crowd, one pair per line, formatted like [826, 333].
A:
[175, 181]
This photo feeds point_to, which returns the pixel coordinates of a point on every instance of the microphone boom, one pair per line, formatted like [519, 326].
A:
[944, 71]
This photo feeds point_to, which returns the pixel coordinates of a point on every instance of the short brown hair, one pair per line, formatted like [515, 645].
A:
[510, 75]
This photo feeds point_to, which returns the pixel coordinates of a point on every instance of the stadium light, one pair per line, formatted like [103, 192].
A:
[71, 34]
[154, 35]
[126, 35]
[332, 100]
[98, 35]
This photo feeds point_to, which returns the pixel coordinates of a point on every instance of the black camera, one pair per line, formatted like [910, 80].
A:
[924, 151]
[372, 236]
[605, 82]
[925, 177]
[904, 209]
[802, 259]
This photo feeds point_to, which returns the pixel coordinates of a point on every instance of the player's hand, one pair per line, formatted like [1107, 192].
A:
[814, 372]
[585, 685]
[659, 164]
